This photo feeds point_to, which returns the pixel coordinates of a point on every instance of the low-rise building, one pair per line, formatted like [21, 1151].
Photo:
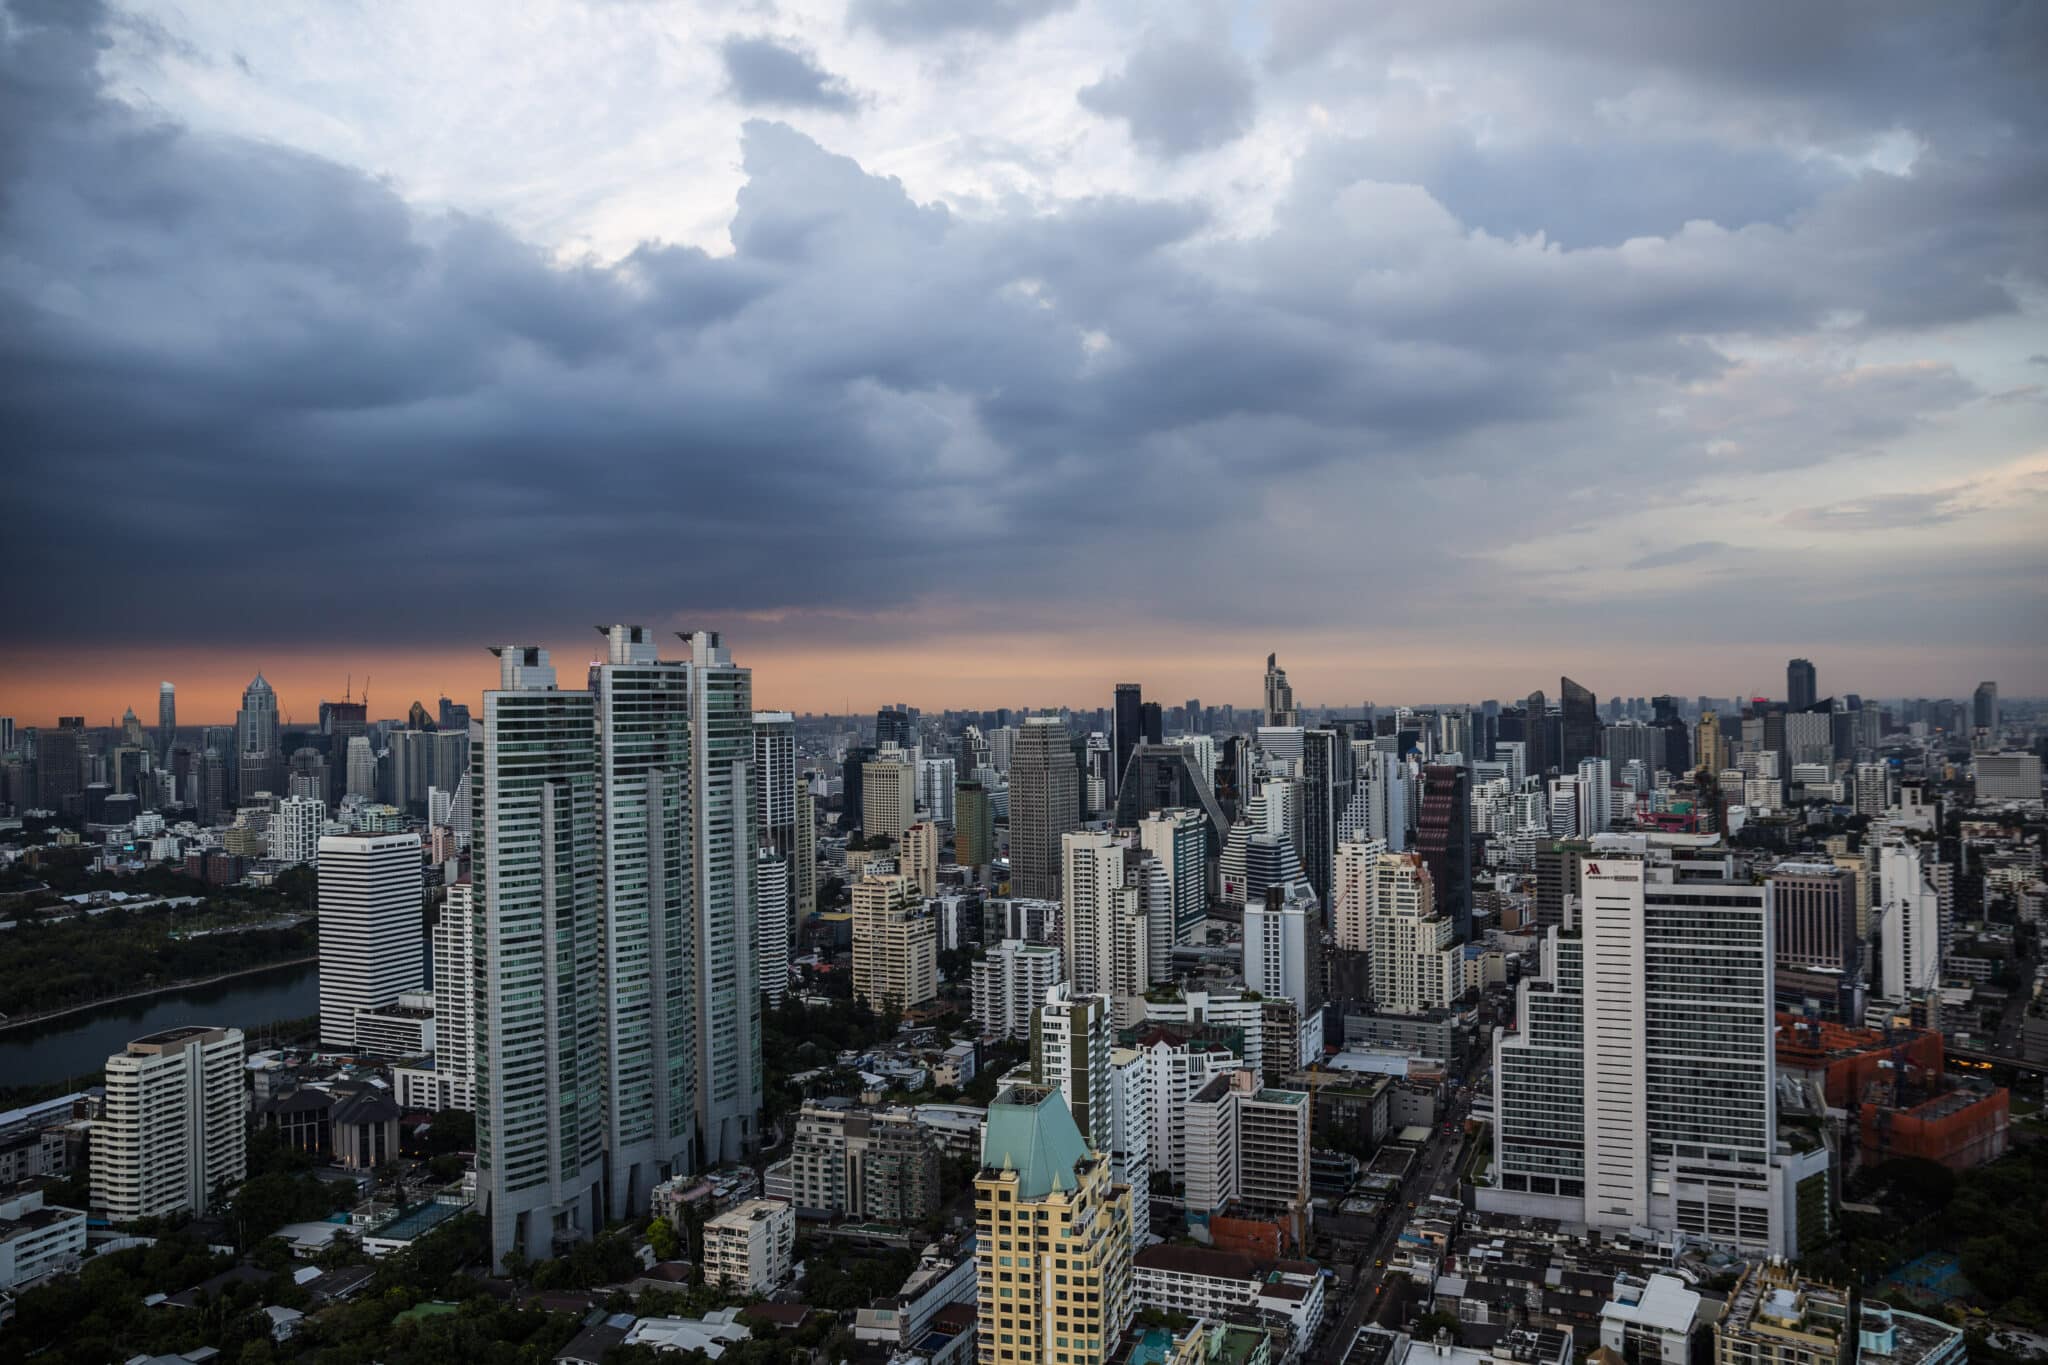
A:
[38, 1239]
[1778, 1317]
[749, 1249]
[1652, 1322]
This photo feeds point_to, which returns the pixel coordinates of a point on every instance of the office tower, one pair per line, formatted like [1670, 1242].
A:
[6, 734]
[1002, 747]
[644, 819]
[1043, 795]
[895, 944]
[166, 719]
[1378, 808]
[306, 775]
[295, 830]
[542, 1002]
[1809, 737]
[1801, 685]
[722, 806]
[1633, 742]
[1443, 836]
[1010, 982]
[974, 826]
[260, 765]
[1071, 1037]
[1415, 958]
[1637, 1090]
[362, 768]
[1283, 946]
[61, 765]
[1579, 726]
[1911, 928]
[804, 858]
[1677, 755]
[1279, 696]
[935, 780]
[1711, 748]
[1127, 730]
[852, 796]
[1539, 732]
[888, 797]
[173, 1127]
[1325, 769]
[1873, 788]
[1984, 707]
[1595, 792]
[1179, 839]
[1813, 917]
[211, 771]
[2006, 777]
[893, 727]
[370, 928]
[1163, 777]
[772, 950]
[1040, 1185]
[921, 856]
[775, 771]
[455, 995]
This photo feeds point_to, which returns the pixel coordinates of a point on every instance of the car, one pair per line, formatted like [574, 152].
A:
[1379, 1263]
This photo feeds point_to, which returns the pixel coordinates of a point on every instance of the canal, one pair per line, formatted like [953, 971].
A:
[76, 1043]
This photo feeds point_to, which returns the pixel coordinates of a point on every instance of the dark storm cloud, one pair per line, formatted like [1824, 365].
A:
[915, 21]
[1178, 96]
[247, 390]
[763, 73]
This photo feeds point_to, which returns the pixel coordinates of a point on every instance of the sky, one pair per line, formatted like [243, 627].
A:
[981, 354]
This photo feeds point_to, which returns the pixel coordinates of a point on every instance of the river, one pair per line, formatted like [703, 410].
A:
[73, 1044]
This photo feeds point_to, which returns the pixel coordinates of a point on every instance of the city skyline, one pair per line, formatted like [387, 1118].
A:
[210, 691]
[1407, 345]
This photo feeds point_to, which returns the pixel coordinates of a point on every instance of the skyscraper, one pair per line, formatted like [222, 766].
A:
[1538, 733]
[644, 821]
[455, 995]
[1801, 684]
[1415, 962]
[372, 929]
[895, 945]
[259, 762]
[1279, 696]
[1127, 731]
[1179, 839]
[1071, 1040]
[892, 726]
[775, 769]
[888, 795]
[773, 942]
[1443, 836]
[1283, 941]
[173, 1127]
[1637, 1090]
[974, 829]
[722, 802]
[541, 1012]
[1984, 707]
[166, 718]
[1043, 806]
[1579, 726]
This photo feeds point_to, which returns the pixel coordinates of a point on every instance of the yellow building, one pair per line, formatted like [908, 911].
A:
[895, 944]
[1054, 1238]
[921, 855]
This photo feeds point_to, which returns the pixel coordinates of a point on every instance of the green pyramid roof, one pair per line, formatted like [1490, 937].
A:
[1030, 1131]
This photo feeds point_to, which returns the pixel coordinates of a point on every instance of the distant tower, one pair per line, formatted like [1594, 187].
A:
[1044, 783]
[1802, 685]
[166, 716]
[260, 764]
[1126, 729]
[1279, 696]
[1984, 707]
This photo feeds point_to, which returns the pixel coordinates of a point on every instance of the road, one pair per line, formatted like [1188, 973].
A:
[1435, 1173]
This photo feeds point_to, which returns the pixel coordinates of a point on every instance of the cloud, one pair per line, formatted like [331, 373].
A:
[915, 21]
[338, 408]
[762, 72]
[1679, 554]
[1178, 96]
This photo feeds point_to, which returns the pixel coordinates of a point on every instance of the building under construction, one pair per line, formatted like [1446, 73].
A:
[1895, 1097]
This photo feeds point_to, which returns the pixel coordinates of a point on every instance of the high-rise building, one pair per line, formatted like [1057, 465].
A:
[1041, 1185]
[935, 781]
[895, 944]
[775, 771]
[455, 995]
[1415, 959]
[1072, 1034]
[372, 932]
[773, 949]
[542, 1002]
[1579, 725]
[166, 719]
[1712, 749]
[644, 824]
[1283, 946]
[1443, 836]
[1127, 730]
[722, 805]
[1984, 708]
[974, 826]
[173, 1127]
[888, 795]
[1911, 927]
[1352, 894]
[1092, 875]
[921, 844]
[804, 856]
[1009, 983]
[851, 795]
[362, 768]
[1801, 684]
[1813, 917]
[1637, 1090]
[1325, 769]
[1179, 839]
[2006, 777]
[1044, 786]
[1279, 696]
[61, 766]
[295, 829]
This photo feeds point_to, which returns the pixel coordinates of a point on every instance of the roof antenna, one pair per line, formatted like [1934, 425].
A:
[348, 688]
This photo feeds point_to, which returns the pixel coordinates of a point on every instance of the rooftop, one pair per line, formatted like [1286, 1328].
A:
[1031, 1132]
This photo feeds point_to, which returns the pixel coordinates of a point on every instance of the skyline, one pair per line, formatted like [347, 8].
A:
[883, 681]
[1417, 346]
